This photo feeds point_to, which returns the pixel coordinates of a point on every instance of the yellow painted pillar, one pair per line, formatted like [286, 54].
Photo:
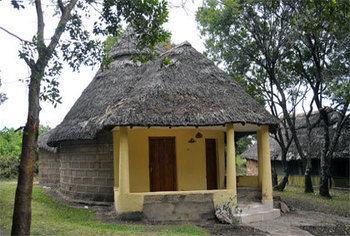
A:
[266, 181]
[116, 143]
[124, 186]
[260, 158]
[230, 159]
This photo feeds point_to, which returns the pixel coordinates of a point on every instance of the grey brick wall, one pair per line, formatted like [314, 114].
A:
[87, 169]
[49, 172]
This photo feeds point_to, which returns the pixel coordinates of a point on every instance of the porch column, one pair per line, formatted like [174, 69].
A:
[266, 181]
[124, 186]
[260, 158]
[230, 159]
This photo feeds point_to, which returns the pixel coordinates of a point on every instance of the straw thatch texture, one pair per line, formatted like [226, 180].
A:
[180, 88]
[42, 142]
[127, 46]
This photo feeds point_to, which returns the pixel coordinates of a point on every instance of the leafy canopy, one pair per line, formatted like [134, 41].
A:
[250, 39]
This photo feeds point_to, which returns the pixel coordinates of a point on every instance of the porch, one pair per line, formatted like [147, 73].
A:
[183, 173]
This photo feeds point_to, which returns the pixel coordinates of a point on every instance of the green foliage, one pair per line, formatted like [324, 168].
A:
[167, 61]
[55, 218]
[10, 151]
[241, 168]
[8, 167]
[10, 142]
[242, 144]
[107, 46]
[250, 39]
[323, 49]
[145, 17]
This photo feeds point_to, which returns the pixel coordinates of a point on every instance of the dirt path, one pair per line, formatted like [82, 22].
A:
[305, 223]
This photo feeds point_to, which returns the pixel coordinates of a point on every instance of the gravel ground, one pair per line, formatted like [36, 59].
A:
[305, 223]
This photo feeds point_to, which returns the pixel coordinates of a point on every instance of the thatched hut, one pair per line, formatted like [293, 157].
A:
[49, 163]
[339, 164]
[153, 135]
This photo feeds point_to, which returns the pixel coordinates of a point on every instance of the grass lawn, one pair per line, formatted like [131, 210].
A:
[338, 204]
[51, 217]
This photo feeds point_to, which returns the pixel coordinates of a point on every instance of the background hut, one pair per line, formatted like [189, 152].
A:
[339, 163]
[49, 164]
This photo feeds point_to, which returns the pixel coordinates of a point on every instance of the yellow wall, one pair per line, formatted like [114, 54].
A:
[190, 157]
[247, 181]
[116, 158]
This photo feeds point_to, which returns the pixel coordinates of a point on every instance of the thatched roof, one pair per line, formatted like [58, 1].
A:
[180, 88]
[127, 46]
[315, 144]
[42, 141]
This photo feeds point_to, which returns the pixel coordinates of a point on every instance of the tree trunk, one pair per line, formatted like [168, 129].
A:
[22, 207]
[274, 179]
[308, 187]
[282, 185]
[324, 176]
[274, 174]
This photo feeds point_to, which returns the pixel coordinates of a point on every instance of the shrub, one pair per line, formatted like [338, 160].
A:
[8, 167]
[10, 151]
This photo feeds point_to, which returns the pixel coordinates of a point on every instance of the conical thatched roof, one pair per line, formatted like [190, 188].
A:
[180, 88]
[43, 139]
[127, 46]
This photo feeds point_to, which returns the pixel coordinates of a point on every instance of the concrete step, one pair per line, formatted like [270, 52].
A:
[248, 194]
[256, 212]
[256, 207]
[173, 207]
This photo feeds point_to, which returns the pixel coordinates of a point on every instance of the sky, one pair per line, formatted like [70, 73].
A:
[13, 112]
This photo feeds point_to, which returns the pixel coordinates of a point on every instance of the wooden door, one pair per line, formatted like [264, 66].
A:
[210, 153]
[162, 164]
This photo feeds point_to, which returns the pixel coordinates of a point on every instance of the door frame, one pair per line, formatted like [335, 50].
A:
[216, 161]
[175, 161]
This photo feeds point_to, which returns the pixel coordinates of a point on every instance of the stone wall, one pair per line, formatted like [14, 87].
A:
[49, 168]
[87, 170]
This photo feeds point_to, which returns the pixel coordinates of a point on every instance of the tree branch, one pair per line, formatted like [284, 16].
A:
[40, 24]
[61, 6]
[65, 17]
[14, 35]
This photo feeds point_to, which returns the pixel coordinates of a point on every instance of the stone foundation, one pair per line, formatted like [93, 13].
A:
[49, 168]
[193, 207]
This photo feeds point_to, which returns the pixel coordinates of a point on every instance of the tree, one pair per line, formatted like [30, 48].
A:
[76, 46]
[253, 40]
[2, 96]
[323, 51]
